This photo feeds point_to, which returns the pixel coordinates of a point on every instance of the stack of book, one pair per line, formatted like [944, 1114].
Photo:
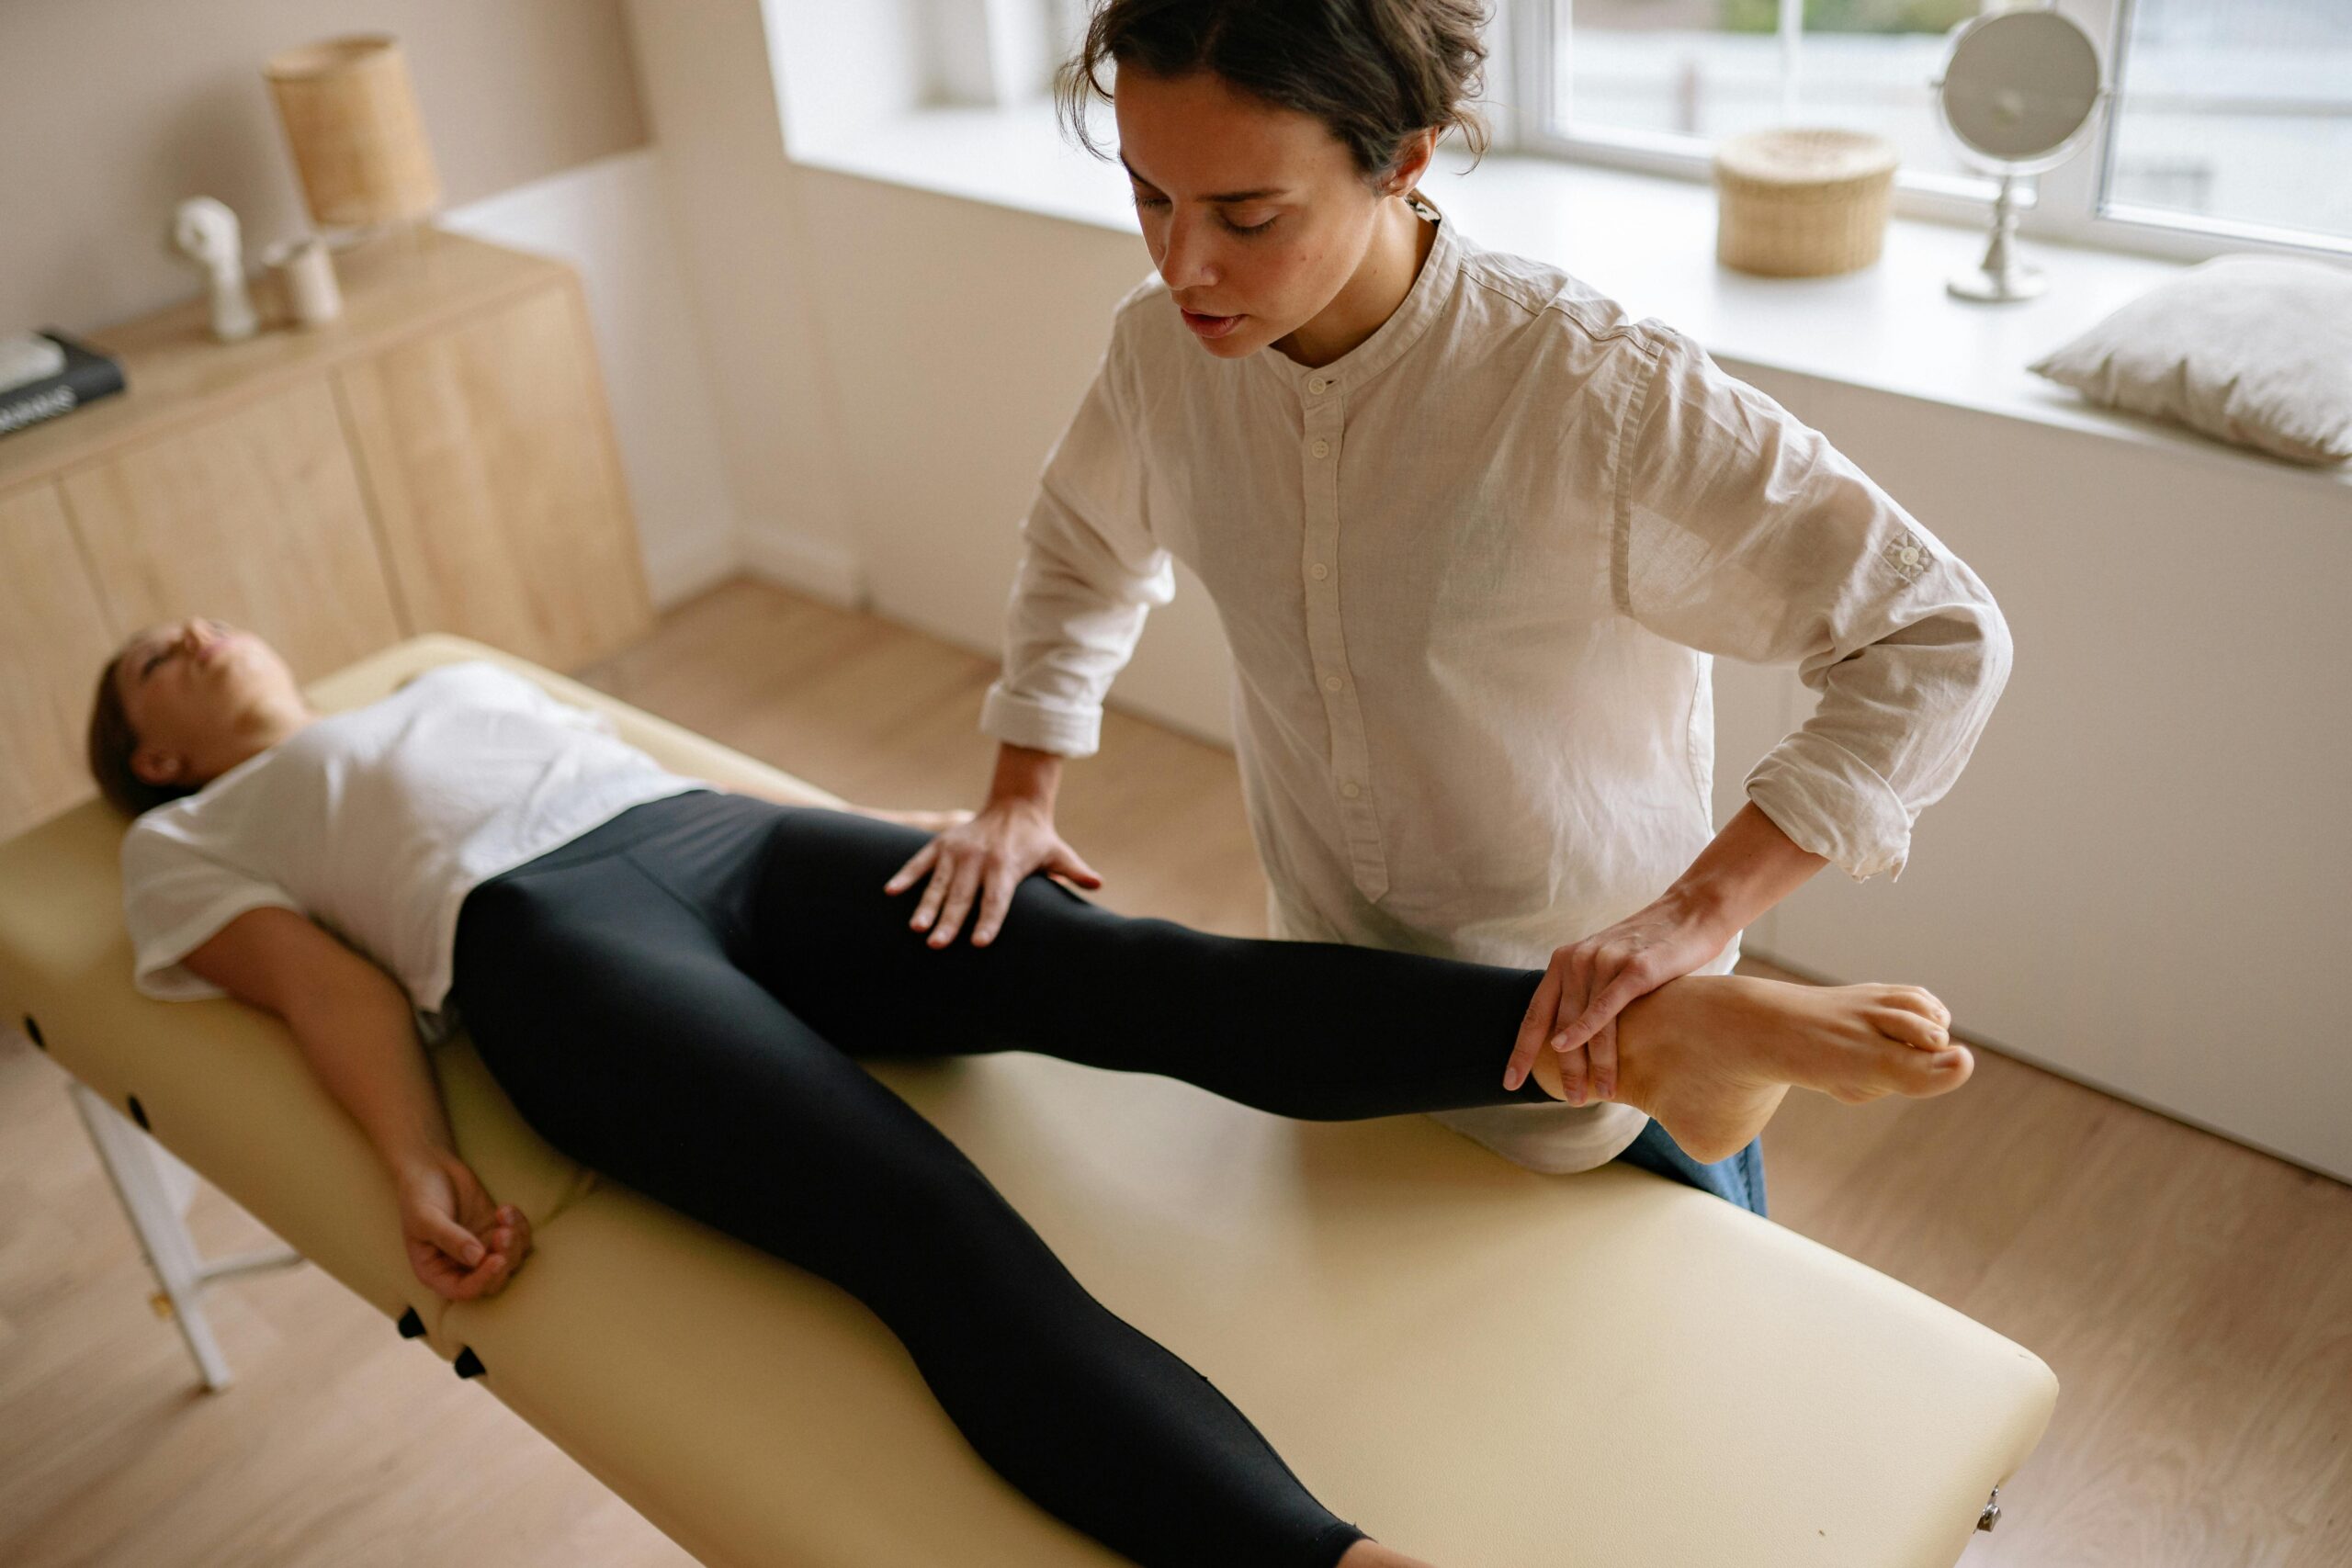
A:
[51, 375]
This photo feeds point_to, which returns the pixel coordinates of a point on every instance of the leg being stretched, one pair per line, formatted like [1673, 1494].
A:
[620, 1026]
[1318, 1030]
[1310, 1029]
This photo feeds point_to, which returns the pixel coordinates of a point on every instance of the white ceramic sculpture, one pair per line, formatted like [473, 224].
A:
[205, 232]
[306, 278]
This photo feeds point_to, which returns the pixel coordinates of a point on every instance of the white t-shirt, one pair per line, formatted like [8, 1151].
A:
[378, 823]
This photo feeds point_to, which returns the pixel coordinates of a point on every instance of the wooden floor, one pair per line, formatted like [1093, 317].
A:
[2195, 1298]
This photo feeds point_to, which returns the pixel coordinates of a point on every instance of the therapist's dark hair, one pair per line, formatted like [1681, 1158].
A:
[112, 743]
[1374, 72]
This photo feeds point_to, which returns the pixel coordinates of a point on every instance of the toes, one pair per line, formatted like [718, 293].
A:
[1952, 1066]
[1915, 998]
[1923, 1073]
[1910, 1028]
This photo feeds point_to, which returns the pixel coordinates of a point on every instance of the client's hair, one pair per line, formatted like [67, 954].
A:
[112, 741]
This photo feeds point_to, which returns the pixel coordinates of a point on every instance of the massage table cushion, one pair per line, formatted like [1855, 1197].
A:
[1474, 1362]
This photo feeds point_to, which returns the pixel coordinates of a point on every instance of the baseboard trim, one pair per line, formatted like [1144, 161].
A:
[810, 566]
[675, 575]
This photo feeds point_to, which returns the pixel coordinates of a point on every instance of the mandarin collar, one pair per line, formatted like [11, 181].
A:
[1421, 305]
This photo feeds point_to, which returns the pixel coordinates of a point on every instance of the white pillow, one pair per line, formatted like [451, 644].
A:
[2255, 349]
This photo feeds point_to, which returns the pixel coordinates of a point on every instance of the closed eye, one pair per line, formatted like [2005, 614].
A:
[1231, 226]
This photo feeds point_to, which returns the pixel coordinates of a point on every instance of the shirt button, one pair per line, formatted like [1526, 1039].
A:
[1319, 571]
[1331, 682]
[1910, 555]
[1321, 449]
[1318, 385]
[1351, 790]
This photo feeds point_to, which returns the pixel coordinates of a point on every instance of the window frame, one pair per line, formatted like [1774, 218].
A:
[2067, 208]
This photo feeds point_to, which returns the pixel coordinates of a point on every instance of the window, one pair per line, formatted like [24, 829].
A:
[990, 53]
[2228, 124]
[1696, 70]
[2237, 112]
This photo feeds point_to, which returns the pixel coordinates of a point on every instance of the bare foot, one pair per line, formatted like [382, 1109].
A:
[1710, 1055]
[1372, 1554]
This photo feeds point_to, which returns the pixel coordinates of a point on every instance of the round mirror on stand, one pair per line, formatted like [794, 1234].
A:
[2017, 92]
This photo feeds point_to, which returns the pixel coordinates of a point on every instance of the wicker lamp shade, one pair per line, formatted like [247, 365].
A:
[1803, 203]
[351, 120]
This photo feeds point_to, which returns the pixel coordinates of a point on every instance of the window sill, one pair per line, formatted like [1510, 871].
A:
[1648, 242]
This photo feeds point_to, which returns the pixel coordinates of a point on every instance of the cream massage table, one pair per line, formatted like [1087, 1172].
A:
[1476, 1363]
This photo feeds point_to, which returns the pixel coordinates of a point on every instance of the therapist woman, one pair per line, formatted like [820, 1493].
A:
[1474, 533]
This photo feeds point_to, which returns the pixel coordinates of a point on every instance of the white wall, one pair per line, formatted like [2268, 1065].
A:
[705, 75]
[830, 310]
[962, 338]
[2140, 879]
[112, 112]
[837, 68]
[610, 220]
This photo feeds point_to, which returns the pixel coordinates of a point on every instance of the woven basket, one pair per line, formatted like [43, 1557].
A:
[1801, 203]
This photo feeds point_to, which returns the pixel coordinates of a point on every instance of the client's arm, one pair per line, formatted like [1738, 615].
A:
[353, 1024]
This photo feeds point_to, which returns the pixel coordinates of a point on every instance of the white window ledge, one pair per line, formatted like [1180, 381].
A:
[1648, 242]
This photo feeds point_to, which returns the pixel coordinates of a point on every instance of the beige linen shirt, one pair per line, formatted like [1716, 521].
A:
[1472, 574]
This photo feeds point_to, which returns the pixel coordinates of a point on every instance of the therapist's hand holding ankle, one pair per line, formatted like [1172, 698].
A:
[986, 858]
[1750, 865]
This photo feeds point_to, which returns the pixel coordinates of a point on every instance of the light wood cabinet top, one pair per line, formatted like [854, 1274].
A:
[393, 291]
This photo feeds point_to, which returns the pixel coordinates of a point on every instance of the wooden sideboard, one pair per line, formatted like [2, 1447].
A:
[438, 458]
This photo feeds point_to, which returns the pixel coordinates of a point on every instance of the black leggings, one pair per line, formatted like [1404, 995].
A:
[677, 998]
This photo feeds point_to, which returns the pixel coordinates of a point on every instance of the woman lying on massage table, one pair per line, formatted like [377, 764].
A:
[674, 983]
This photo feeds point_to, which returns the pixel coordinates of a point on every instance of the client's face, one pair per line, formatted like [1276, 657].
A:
[189, 689]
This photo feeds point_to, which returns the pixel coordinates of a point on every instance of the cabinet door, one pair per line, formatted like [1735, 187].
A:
[54, 639]
[490, 464]
[254, 516]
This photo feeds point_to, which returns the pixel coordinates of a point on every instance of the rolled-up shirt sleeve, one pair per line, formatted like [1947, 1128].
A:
[1090, 574]
[1740, 531]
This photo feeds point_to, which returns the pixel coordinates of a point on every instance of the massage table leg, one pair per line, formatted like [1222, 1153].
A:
[155, 1189]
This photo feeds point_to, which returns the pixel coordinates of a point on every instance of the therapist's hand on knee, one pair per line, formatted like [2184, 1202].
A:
[983, 861]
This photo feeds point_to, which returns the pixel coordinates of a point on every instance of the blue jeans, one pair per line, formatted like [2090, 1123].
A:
[1739, 1180]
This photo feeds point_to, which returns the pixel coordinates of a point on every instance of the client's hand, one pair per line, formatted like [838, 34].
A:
[460, 1244]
